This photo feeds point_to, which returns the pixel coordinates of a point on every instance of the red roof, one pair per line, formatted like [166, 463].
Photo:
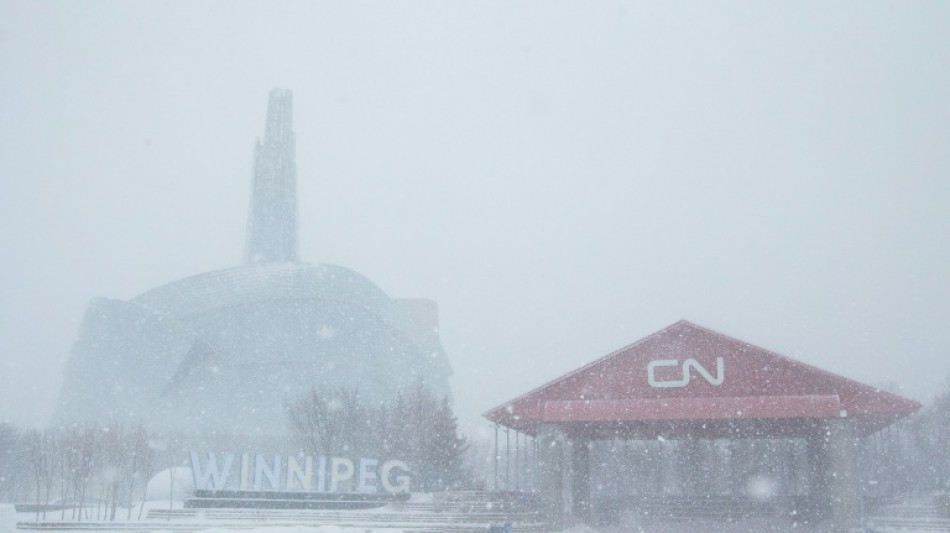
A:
[688, 381]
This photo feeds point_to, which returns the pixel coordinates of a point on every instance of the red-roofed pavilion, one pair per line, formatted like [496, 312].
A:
[688, 382]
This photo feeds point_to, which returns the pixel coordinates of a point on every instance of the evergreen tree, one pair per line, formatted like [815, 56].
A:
[445, 449]
[426, 436]
[931, 431]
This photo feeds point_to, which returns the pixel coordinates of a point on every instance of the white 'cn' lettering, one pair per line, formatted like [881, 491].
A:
[687, 364]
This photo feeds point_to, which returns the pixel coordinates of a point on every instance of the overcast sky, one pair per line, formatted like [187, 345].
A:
[563, 178]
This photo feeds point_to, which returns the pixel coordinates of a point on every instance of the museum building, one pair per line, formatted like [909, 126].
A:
[228, 349]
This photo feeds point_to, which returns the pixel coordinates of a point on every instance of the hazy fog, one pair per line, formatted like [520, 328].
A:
[563, 178]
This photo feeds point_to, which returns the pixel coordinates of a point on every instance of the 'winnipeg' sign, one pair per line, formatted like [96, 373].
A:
[298, 474]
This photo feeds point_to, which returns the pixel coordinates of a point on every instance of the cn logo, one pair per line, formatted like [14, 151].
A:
[687, 364]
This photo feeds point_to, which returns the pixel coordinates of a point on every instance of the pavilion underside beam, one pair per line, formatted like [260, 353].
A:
[705, 408]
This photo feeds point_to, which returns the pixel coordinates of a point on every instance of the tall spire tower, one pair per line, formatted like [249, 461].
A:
[272, 220]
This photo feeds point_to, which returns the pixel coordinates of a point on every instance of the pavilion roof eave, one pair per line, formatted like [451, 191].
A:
[775, 416]
[670, 409]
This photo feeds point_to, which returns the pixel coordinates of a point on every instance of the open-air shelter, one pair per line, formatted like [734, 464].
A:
[688, 382]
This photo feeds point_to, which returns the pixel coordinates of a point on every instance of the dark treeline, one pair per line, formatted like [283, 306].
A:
[415, 427]
[912, 456]
[92, 470]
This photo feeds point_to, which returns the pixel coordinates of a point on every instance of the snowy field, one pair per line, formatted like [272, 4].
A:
[365, 523]
[692, 526]
[755, 525]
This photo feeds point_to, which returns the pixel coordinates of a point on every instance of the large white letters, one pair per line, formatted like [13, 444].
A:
[218, 479]
[366, 482]
[322, 474]
[296, 474]
[687, 364]
[402, 482]
[325, 474]
[341, 469]
[261, 470]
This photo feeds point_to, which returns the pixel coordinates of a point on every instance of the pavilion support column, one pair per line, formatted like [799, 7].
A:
[842, 478]
[816, 508]
[580, 479]
[551, 476]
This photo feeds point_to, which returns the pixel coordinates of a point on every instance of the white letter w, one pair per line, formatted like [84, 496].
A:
[218, 478]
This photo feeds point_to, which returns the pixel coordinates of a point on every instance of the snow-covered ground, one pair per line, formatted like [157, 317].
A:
[302, 529]
[629, 524]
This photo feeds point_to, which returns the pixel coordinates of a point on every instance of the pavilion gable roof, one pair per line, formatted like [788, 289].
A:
[689, 373]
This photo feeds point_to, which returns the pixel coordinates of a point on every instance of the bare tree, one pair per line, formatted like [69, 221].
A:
[13, 476]
[141, 465]
[81, 456]
[329, 423]
[116, 458]
[63, 452]
[40, 455]
[50, 444]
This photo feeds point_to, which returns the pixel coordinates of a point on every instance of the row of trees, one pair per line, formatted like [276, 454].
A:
[94, 469]
[83, 467]
[913, 455]
[415, 427]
